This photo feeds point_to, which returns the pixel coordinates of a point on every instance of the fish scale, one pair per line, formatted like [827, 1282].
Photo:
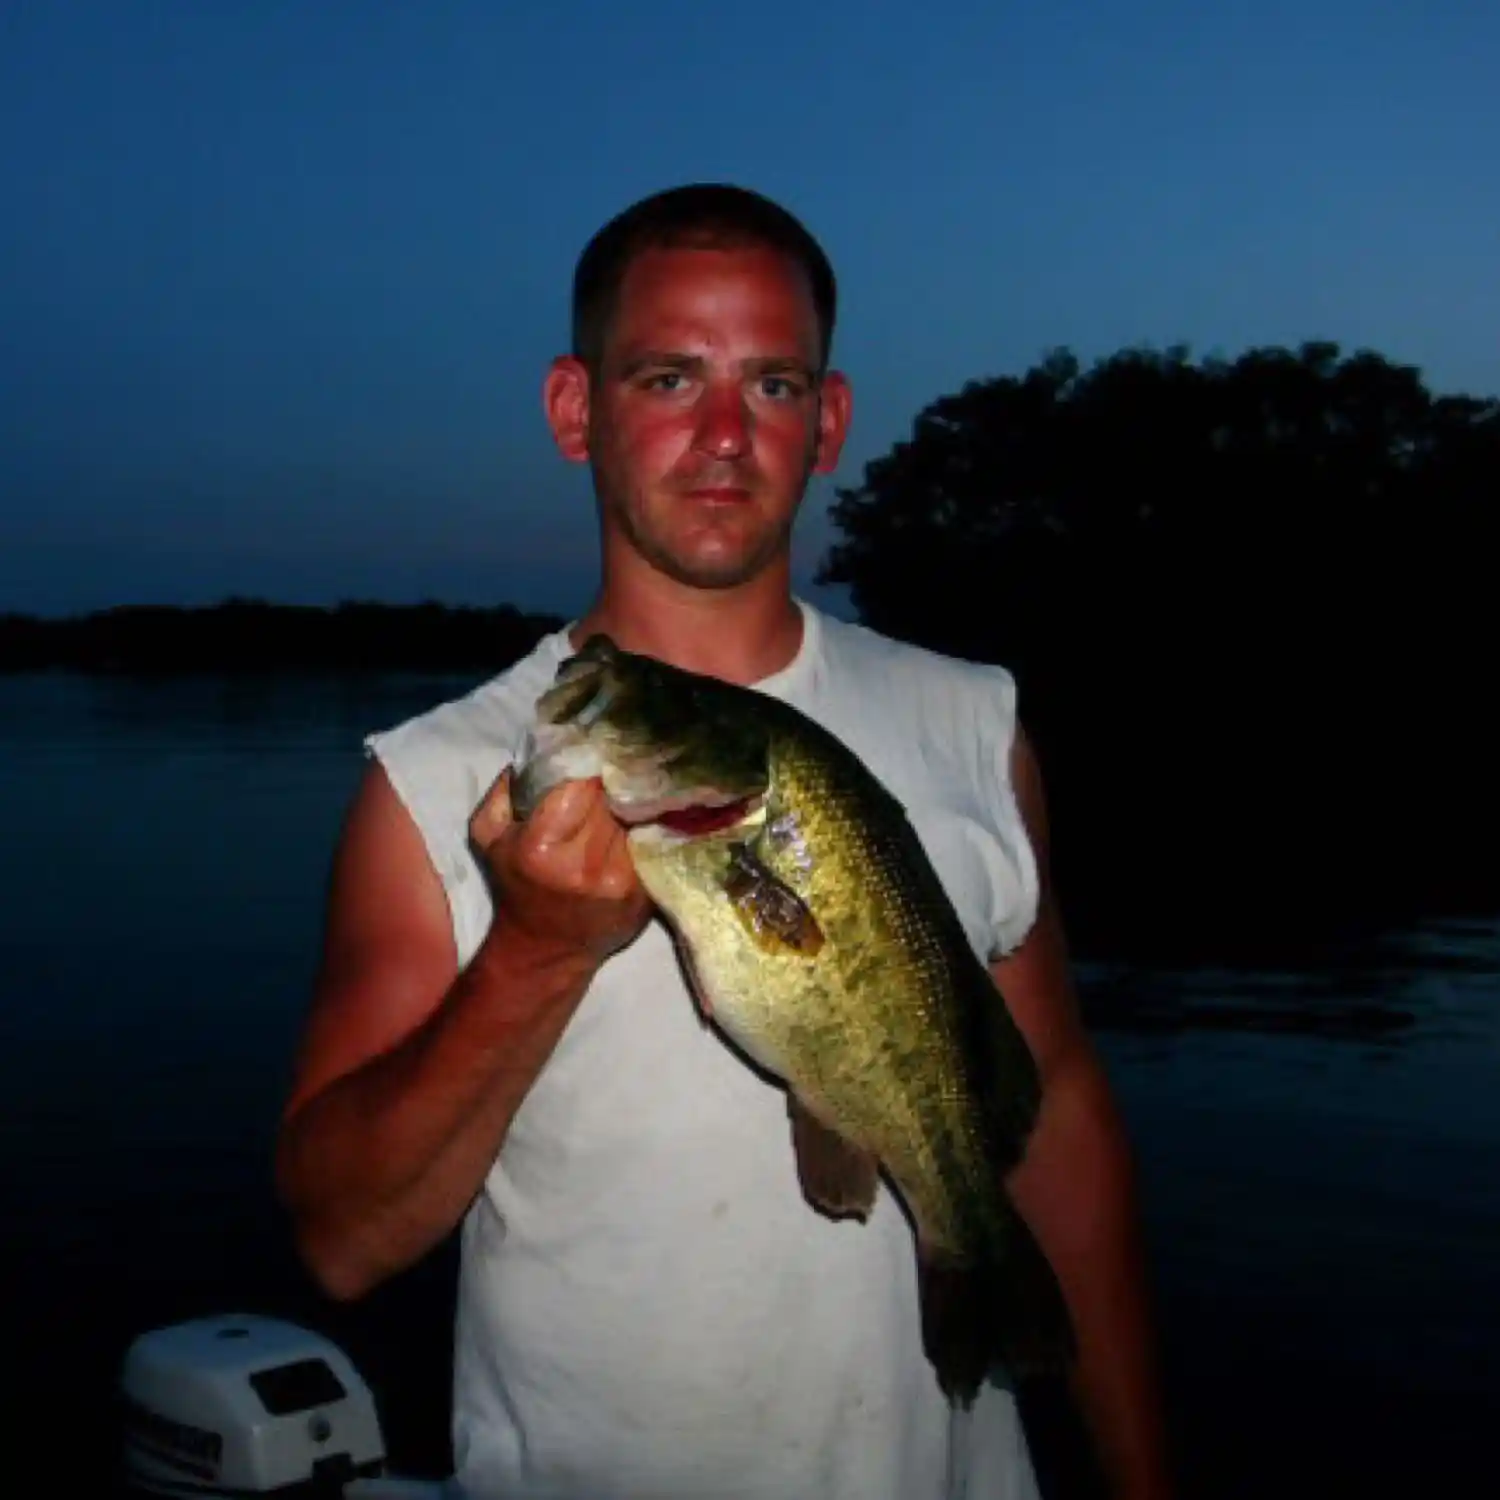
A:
[890, 1018]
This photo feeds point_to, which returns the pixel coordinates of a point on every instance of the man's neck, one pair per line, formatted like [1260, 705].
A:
[739, 635]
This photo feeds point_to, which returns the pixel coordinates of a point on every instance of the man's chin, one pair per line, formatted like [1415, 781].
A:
[720, 576]
[718, 571]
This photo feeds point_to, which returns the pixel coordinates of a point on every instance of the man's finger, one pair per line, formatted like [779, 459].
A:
[493, 815]
[618, 876]
[564, 812]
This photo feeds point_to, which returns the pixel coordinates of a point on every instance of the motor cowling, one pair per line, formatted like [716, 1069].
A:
[245, 1405]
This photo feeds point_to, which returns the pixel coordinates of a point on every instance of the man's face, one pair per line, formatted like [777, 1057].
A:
[706, 417]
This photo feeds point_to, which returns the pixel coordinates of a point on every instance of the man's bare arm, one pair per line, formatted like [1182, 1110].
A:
[1076, 1188]
[411, 1072]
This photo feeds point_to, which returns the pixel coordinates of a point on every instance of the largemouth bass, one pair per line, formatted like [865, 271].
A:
[819, 939]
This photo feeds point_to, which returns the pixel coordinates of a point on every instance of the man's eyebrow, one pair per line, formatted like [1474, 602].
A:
[781, 364]
[759, 365]
[659, 359]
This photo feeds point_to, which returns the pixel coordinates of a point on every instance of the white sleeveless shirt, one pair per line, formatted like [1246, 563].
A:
[647, 1307]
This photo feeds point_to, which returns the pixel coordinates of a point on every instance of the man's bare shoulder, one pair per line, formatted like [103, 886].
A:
[388, 950]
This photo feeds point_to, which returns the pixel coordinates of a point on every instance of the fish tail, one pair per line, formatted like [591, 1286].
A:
[1005, 1309]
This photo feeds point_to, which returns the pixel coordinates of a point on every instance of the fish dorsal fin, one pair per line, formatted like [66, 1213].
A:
[773, 913]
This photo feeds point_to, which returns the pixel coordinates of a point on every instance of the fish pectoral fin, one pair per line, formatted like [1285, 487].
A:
[838, 1178]
[774, 914]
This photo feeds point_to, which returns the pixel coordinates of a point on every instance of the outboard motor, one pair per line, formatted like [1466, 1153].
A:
[241, 1406]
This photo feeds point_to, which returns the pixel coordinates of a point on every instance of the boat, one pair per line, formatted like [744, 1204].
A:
[238, 1405]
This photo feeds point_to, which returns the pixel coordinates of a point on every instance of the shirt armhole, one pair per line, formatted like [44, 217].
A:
[1012, 919]
[383, 748]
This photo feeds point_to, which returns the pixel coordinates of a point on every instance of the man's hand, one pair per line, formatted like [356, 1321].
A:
[563, 878]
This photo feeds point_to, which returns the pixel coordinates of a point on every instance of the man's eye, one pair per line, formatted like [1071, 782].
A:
[780, 387]
[665, 380]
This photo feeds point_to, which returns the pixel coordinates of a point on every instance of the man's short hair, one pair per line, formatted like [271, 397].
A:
[706, 215]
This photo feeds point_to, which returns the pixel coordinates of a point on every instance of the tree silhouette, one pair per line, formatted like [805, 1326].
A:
[1247, 604]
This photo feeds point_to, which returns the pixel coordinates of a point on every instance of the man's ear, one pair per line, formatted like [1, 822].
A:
[835, 409]
[565, 398]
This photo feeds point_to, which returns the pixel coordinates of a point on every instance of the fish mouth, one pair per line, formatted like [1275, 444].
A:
[648, 734]
[678, 820]
[638, 789]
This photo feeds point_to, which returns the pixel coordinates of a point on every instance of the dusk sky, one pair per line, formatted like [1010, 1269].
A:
[279, 278]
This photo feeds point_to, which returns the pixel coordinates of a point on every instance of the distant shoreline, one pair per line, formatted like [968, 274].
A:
[247, 635]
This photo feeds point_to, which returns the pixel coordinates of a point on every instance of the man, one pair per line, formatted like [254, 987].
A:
[501, 1035]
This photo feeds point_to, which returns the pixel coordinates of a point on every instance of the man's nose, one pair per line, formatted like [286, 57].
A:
[723, 423]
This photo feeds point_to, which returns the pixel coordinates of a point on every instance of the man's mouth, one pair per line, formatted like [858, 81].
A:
[720, 494]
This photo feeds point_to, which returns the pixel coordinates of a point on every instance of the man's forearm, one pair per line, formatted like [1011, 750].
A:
[1076, 1188]
[381, 1164]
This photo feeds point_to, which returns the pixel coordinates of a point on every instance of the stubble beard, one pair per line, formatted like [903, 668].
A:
[724, 573]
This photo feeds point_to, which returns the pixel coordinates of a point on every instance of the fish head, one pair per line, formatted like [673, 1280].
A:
[673, 749]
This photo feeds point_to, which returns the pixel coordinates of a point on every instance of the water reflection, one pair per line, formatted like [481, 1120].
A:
[252, 712]
[1417, 980]
[1354, 1005]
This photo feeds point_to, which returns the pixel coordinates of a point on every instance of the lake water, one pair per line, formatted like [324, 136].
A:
[1320, 1150]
